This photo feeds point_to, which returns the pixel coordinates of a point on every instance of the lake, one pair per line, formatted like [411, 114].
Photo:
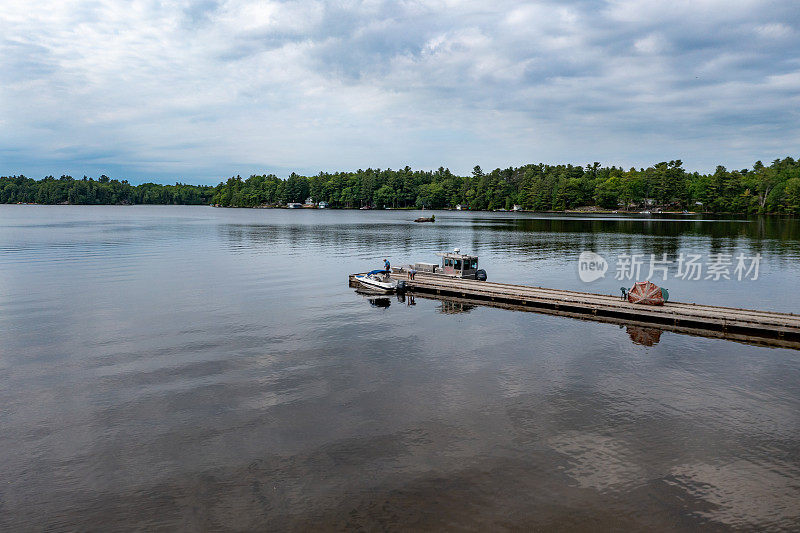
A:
[198, 368]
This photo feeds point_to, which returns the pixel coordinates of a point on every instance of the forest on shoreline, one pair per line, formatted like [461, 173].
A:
[537, 187]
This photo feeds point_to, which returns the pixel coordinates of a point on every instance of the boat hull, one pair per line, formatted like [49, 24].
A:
[377, 285]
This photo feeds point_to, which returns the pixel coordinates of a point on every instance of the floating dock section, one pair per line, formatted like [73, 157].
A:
[744, 325]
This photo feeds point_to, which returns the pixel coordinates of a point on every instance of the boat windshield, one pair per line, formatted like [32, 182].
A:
[460, 263]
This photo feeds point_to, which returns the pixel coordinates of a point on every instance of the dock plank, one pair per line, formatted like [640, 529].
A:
[741, 322]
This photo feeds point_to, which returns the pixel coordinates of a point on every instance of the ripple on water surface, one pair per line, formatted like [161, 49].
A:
[200, 368]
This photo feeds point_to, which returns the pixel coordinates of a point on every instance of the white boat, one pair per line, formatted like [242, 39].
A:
[377, 280]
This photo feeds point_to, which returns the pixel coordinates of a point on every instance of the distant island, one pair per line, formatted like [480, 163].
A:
[536, 187]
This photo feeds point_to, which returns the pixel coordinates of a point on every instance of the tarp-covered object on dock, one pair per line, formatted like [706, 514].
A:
[646, 292]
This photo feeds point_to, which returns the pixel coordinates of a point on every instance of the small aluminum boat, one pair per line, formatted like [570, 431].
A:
[454, 265]
[378, 280]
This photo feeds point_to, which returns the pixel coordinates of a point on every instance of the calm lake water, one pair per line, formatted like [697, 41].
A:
[199, 368]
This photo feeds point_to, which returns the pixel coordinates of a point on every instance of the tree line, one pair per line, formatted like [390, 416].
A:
[667, 185]
[103, 191]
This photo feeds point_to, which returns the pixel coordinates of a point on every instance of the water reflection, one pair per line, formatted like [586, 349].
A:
[210, 369]
[544, 234]
[644, 336]
[454, 307]
[382, 302]
[539, 250]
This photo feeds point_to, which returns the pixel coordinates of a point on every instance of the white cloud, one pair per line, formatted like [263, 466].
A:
[651, 44]
[204, 90]
[774, 30]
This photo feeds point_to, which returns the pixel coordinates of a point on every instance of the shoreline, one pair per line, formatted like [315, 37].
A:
[547, 212]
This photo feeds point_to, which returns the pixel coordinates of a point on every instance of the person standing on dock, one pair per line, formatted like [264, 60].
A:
[411, 273]
[387, 266]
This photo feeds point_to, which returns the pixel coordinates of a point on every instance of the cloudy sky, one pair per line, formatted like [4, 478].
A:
[197, 91]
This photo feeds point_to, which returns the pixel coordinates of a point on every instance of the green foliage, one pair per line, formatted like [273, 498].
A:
[66, 190]
[762, 189]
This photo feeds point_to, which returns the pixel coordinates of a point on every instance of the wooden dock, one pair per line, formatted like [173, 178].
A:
[744, 325]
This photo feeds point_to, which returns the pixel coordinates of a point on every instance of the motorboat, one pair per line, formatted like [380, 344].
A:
[379, 280]
[454, 265]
